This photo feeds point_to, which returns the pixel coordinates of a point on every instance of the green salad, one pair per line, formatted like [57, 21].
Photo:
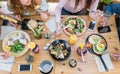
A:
[17, 47]
[76, 25]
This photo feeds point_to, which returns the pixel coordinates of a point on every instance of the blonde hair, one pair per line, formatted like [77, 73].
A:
[18, 8]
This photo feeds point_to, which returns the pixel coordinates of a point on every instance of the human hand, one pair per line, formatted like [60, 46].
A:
[4, 55]
[44, 16]
[96, 15]
[59, 28]
[12, 24]
[99, 17]
[116, 56]
[17, 18]
[103, 21]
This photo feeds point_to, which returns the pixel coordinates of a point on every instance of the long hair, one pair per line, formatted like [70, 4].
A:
[87, 4]
[18, 8]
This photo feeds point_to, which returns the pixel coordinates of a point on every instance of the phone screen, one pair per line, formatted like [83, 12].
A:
[25, 67]
[92, 25]
[104, 29]
[24, 24]
[5, 22]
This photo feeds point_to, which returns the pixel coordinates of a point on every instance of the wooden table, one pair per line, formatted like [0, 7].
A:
[62, 67]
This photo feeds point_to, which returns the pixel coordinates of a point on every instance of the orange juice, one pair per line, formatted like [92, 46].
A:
[72, 39]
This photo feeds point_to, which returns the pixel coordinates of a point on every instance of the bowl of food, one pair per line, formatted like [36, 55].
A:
[72, 63]
[96, 44]
[74, 25]
[16, 43]
[59, 50]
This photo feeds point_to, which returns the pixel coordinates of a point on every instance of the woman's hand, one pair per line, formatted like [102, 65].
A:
[96, 15]
[4, 55]
[99, 17]
[116, 56]
[18, 18]
[44, 16]
[104, 21]
[12, 24]
[59, 28]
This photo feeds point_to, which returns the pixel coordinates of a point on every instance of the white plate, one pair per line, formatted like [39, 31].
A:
[74, 24]
[5, 42]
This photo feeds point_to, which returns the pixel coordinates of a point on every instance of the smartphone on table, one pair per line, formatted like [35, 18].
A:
[5, 22]
[104, 29]
[24, 24]
[92, 25]
[24, 67]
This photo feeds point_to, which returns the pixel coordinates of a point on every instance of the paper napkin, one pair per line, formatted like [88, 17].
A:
[51, 25]
[5, 30]
[107, 61]
[6, 64]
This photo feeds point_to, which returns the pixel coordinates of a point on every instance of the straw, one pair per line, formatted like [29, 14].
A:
[83, 59]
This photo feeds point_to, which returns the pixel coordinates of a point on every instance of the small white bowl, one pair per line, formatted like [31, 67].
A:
[45, 66]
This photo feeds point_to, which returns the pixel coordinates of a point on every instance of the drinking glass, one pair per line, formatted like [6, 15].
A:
[47, 35]
[37, 34]
[82, 52]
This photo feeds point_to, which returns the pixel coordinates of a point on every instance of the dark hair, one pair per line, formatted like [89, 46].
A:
[87, 4]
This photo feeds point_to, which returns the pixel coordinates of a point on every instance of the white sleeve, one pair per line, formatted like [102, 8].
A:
[43, 6]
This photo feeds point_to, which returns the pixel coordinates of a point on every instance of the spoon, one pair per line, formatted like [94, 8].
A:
[66, 26]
